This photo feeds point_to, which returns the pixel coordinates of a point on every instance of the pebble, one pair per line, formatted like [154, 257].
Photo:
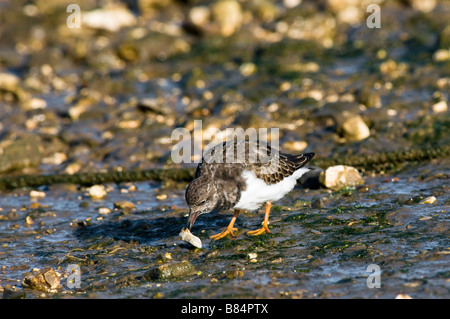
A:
[425, 6]
[403, 296]
[111, 18]
[199, 15]
[104, 210]
[296, 146]
[161, 197]
[235, 274]
[124, 205]
[440, 107]
[228, 16]
[352, 126]
[252, 257]
[37, 194]
[97, 191]
[247, 69]
[28, 220]
[44, 280]
[55, 159]
[428, 200]
[336, 177]
[35, 104]
[35, 205]
[441, 55]
[9, 81]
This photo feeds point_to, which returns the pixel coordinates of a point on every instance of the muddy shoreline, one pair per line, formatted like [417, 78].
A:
[107, 97]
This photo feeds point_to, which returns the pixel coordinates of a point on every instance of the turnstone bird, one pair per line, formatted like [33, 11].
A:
[242, 175]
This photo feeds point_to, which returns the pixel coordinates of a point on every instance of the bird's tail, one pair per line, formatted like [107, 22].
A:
[301, 160]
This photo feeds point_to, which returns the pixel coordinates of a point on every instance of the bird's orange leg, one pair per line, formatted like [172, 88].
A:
[230, 229]
[264, 228]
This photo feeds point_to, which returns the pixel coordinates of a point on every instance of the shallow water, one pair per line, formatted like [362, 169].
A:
[312, 252]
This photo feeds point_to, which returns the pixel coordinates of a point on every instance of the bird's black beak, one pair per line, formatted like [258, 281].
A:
[191, 220]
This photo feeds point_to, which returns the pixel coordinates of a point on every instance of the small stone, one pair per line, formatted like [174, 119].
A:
[124, 205]
[277, 260]
[440, 107]
[199, 15]
[296, 146]
[35, 205]
[158, 295]
[104, 210]
[168, 256]
[29, 220]
[35, 104]
[352, 126]
[235, 274]
[403, 296]
[77, 110]
[441, 55]
[73, 168]
[56, 158]
[228, 15]
[97, 191]
[9, 81]
[52, 278]
[425, 6]
[111, 18]
[247, 69]
[37, 194]
[428, 200]
[161, 197]
[129, 124]
[43, 280]
[251, 256]
[336, 177]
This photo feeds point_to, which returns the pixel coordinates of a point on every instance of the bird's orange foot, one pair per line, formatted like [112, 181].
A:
[229, 230]
[260, 231]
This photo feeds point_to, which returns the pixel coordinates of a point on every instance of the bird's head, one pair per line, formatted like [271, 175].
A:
[200, 198]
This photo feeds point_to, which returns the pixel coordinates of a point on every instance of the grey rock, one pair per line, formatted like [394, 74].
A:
[171, 270]
[43, 280]
[23, 152]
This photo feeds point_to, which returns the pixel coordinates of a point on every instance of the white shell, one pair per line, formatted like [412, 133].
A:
[187, 236]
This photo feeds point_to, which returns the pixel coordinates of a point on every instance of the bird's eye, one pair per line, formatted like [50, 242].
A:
[202, 202]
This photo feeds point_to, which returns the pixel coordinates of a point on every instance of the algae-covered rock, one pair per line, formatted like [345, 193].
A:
[171, 271]
[13, 293]
[25, 151]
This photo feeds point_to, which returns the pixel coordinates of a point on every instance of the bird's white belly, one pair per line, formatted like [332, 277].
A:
[258, 192]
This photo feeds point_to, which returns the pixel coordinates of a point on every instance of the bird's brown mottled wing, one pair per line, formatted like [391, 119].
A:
[267, 163]
[279, 166]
